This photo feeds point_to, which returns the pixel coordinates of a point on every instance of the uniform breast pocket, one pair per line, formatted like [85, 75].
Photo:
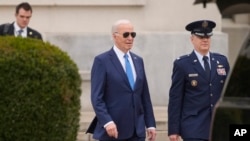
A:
[221, 79]
[192, 80]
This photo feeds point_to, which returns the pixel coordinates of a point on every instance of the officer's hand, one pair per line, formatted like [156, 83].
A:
[174, 137]
[151, 134]
[112, 130]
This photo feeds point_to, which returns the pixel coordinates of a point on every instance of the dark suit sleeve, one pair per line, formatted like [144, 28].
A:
[92, 126]
[6, 29]
[98, 80]
[175, 99]
[1, 29]
[227, 65]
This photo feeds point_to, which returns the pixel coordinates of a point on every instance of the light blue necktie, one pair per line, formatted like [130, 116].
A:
[129, 71]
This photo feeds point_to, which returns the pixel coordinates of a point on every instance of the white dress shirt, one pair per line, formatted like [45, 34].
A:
[120, 56]
[17, 28]
[200, 58]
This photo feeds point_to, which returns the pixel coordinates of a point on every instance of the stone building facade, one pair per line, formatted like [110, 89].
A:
[82, 28]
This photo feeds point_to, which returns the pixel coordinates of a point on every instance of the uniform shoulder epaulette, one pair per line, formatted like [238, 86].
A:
[182, 57]
[218, 54]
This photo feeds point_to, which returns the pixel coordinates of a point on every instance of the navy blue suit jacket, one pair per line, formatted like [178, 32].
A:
[114, 100]
[31, 33]
[192, 96]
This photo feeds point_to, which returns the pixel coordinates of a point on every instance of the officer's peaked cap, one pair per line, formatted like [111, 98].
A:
[202, 28]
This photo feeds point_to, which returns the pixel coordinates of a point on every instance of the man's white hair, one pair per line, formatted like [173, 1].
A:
[117, 23]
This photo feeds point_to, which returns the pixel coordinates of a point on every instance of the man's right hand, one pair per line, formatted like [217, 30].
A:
[112, 130]
[174, 137]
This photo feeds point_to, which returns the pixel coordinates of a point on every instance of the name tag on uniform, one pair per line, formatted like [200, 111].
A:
[193, 75]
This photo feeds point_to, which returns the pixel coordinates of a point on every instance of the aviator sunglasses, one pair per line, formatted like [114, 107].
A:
[126, 34]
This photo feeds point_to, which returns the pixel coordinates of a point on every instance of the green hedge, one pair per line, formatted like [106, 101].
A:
[39, 92]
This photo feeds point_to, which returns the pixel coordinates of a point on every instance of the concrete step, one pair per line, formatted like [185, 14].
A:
[160, 116]
[161, 136]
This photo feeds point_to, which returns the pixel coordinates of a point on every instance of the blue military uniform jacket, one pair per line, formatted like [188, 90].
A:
[192, 95]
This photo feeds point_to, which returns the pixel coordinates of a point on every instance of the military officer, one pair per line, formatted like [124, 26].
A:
[197, 82]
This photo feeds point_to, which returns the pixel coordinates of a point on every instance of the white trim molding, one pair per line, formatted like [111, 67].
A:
[76, 2]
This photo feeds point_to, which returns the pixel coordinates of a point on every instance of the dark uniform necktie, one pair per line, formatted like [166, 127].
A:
[129, 71]
[19, 33]
[206, 66]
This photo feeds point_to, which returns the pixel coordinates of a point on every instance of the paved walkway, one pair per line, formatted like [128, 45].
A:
[161, 124]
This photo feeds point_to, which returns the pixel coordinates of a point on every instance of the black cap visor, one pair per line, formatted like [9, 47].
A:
[202, 35]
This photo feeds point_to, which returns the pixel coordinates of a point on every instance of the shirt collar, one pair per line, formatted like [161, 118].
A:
[199, 56]
[17, 28]
[119, 53]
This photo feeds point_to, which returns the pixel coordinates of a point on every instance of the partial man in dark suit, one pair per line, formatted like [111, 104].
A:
[119, 91]
[197, 82]
[20, 26]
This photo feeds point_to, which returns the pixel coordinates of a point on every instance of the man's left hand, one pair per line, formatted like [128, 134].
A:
[151, 134]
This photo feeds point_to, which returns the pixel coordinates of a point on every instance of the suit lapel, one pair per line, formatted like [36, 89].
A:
[11, 29]
[137, 67]
[117, 64]
[214, 63]
[29, 33]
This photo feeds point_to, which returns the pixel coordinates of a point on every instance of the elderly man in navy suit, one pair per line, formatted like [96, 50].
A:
[20, 26]
[197, 81]
[119, 91]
